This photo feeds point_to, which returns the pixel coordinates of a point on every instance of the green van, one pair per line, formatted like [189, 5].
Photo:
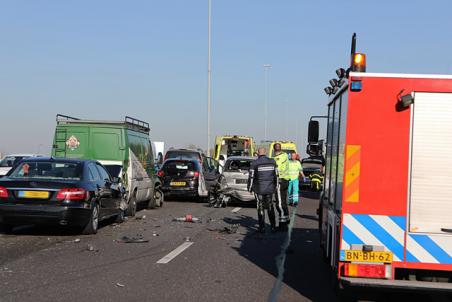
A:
[123, 147]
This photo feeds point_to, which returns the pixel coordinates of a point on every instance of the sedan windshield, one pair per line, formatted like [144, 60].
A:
[48, 170]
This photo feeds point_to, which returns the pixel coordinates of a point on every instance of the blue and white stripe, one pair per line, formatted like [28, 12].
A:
[389, 232]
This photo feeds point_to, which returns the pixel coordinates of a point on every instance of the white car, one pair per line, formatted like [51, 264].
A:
[10, 160]
[235, 174]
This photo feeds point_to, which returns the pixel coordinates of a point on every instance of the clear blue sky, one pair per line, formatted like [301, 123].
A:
[148, 59]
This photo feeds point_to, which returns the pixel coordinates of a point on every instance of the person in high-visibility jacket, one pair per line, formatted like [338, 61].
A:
[282, 163]
[295, 171]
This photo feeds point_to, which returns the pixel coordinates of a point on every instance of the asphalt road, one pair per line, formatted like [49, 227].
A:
[42, 264]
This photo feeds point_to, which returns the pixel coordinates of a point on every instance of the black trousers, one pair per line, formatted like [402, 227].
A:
[281, 201]
[264, 202]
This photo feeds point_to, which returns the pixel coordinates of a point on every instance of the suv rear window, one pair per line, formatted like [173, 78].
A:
[174, 167]
[182, 154]
[235, 165]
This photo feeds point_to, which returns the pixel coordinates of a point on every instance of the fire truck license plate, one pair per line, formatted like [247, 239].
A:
[360, 256]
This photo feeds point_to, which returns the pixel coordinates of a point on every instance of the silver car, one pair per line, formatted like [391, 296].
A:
[235, 178]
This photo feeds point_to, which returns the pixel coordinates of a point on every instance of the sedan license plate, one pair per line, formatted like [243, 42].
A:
[361, 256]
[241, 181]
[178, 183]
[34, 194]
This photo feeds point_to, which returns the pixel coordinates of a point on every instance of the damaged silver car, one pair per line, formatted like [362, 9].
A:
[235, 179]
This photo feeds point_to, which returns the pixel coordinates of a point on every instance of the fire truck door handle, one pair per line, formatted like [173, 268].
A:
[447, 230]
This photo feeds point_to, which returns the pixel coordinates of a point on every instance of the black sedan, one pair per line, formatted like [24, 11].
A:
[66, 192]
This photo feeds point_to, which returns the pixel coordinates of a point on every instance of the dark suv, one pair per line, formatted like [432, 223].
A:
[188, 177]
[180, 177]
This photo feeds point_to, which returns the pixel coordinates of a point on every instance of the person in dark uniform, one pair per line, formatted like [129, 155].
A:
[262, 181]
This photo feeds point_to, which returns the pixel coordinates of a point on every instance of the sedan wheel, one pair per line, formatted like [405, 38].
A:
[93, 223]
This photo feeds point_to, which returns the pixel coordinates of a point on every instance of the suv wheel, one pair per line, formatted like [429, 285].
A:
[159, 198]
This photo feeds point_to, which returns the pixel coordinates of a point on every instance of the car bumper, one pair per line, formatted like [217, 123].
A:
[397, 285]
[180, 191]
[44, 214]
[242, 195]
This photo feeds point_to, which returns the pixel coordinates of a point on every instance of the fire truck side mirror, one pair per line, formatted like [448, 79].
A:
[313, 132]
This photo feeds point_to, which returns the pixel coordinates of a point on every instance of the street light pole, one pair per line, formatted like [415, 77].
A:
[287, 119]
[209, 76]
[266, 68]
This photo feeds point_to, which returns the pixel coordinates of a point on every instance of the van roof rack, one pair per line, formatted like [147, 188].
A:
[137, 123]
[63, 118]
[130, 122]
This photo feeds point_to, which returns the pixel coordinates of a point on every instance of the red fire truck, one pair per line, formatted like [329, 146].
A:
[386, 208]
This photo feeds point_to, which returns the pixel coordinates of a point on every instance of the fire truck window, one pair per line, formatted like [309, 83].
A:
[341, 150]
[329, 150]
[334, 150]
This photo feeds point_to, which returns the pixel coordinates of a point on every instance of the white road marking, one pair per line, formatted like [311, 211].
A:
[175, 253]
[235, 210]
[281, 261]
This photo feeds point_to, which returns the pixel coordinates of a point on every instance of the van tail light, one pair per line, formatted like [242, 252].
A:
[72, 194]
[160, 173]
[378, 271]
[3, 192]
[196, 174]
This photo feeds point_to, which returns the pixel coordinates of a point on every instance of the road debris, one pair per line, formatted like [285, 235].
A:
[140, 217]
[155, 234]
[91, 248]
[232, 229]
[120, 285]
[187, 239]
[77, 240]
[125, 239]
[187, 218]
